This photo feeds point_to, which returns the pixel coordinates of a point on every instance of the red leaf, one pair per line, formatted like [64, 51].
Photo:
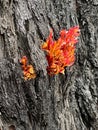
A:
[28, 70]
[61, 53]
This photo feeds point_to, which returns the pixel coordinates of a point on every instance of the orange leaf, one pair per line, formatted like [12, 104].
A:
[61, 53]
[28, 70]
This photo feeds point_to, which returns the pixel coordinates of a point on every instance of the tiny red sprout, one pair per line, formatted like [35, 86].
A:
[23, 60]
[61, 53]
[49, 42]
[28, 70]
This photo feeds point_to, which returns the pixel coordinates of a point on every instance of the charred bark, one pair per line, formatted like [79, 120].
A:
[61, 102]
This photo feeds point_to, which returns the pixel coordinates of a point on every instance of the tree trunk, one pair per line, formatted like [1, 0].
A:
[60, 102]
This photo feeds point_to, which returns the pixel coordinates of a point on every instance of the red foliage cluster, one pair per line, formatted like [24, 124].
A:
[28, 70]
[61, 53]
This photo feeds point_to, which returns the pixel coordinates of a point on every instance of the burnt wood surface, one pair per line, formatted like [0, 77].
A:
[60, 102]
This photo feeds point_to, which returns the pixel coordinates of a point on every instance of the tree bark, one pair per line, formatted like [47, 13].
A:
[60, 102]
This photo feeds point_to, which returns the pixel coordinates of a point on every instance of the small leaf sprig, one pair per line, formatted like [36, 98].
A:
[61, 53]
[28, 70]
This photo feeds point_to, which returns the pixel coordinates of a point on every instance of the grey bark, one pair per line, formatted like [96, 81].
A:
[61, 102]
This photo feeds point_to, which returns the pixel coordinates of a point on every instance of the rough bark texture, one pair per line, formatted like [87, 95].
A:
[62, 102]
